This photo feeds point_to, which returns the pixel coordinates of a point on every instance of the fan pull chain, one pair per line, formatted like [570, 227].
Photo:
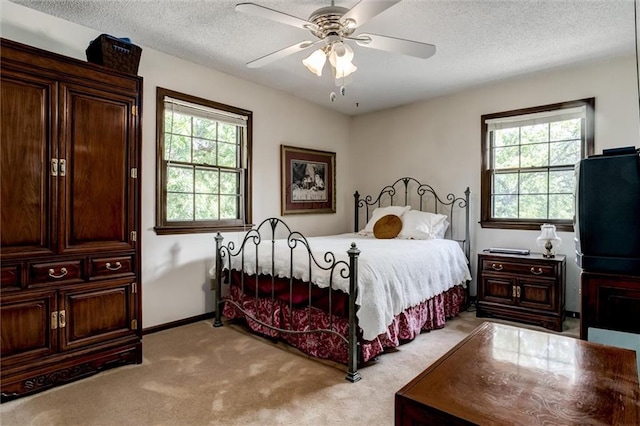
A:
[343, 92]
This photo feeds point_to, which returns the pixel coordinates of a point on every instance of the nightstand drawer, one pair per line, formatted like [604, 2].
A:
[520, 268]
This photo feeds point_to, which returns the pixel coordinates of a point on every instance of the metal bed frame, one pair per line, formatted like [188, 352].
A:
[426, 197]
[266, 232]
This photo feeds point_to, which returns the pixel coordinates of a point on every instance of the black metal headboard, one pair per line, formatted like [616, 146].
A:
[404, 191]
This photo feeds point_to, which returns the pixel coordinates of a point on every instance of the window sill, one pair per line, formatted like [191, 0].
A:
[532, 226]
[171, 230]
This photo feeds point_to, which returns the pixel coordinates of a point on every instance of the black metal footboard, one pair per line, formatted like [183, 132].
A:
[257, 253]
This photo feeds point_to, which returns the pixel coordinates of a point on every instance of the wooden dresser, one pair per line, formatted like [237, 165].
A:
[528, 288]
[70, 219]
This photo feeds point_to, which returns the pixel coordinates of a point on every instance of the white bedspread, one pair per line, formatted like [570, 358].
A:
[393, 275]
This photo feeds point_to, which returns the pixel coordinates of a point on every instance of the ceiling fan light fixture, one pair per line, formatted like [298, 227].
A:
[332, 25]
[340, 51]
[315, 62]
[343, 70]
[340, 57]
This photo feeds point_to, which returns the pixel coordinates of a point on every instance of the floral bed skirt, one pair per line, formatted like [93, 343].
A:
[282, 319]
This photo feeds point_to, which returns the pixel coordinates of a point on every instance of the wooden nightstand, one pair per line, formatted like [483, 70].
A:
[528, 288]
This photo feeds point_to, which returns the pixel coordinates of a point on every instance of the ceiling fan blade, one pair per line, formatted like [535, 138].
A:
[395, 45]
[274, 15]
[279, 54]
[367, 9]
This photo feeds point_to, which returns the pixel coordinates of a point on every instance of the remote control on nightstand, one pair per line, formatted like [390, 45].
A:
[508, 250]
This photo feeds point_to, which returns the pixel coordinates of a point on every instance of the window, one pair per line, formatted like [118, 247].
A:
[203, 169]
[528, 160]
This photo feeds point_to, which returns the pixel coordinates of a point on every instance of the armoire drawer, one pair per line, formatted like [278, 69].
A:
[110, 266]
[11, 277]
[56, 272]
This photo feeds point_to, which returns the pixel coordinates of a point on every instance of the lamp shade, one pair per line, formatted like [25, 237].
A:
[315, 62]
[548, 234]
[340, 58]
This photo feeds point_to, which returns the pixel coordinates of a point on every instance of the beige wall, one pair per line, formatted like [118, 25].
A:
[438, 141]
[174, 268]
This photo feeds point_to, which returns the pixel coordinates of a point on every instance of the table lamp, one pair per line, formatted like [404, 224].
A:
[548, 239]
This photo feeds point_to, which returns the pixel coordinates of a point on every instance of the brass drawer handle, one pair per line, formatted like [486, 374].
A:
[63, 272]
[515, 291]
[54, 167]
[497, 267]
[113, 268]
[536, 272]
[62, 319]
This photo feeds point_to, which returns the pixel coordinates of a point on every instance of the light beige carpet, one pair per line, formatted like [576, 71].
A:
[200, 375]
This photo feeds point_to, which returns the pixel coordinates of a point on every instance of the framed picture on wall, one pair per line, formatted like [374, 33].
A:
[307, 180]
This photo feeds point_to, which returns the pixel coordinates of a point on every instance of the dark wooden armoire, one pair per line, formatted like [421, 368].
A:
[70, 219]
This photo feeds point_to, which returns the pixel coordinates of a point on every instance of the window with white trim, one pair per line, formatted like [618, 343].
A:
[528, 161]
[203, 167]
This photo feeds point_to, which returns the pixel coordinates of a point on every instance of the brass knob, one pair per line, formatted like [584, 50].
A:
[117, 266]
[52, 273]
[535, 271]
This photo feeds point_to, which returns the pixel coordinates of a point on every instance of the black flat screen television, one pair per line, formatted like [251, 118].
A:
[607, 212]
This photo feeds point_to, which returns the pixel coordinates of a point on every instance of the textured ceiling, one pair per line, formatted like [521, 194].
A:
[477, 41]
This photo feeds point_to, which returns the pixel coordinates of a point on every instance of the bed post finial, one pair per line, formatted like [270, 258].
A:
[217, 305]
[356, 197]
[352, 368]
[406, 181]
[467, 236]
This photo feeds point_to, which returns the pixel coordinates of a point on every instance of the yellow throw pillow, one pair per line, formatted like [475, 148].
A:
[388, 226]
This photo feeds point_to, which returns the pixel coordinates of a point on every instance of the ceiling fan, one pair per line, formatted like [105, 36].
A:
[334, 27]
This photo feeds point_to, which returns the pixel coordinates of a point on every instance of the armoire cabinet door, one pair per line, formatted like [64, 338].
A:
[97, 313]
[98, 190]
[29, 326]
[28, 117]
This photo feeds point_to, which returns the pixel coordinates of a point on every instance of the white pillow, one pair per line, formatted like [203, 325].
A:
[378, 213]
[441, 228]
[419, 225]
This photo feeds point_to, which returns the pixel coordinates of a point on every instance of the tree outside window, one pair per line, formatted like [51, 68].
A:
[204, 166]
[529, 158]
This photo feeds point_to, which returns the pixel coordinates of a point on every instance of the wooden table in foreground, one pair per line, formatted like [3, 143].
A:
[501, 374]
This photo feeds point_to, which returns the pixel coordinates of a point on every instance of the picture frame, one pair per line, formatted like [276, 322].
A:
[308, 179]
